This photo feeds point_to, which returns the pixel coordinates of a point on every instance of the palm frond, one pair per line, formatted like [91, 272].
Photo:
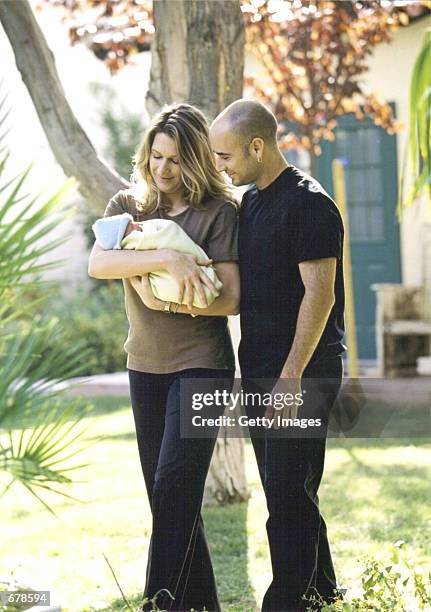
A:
[39, 457]
[21, 244]
[419, 140]
[33, 363]
[39, 427]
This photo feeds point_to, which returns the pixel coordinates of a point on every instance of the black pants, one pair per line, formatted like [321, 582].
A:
[175, 470]
[291, 469]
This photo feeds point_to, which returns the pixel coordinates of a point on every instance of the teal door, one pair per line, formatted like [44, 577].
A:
[371, 190]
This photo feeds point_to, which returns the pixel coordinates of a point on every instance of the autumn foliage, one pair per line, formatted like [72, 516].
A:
[314, 53]
[114, 30]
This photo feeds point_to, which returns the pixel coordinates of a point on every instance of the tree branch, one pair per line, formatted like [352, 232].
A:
[69, 143]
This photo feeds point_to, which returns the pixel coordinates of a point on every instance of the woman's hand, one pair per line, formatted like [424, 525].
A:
[228, 301]
[190, 277]
[141, 285]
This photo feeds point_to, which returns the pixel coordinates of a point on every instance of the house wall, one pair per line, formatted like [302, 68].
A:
[391, 67]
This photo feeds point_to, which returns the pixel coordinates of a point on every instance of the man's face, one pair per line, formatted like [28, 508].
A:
[233, 156]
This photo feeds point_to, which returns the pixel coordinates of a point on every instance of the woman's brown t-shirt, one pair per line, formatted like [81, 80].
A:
[161, 343]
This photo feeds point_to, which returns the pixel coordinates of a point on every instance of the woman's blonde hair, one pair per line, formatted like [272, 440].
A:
[188, 128]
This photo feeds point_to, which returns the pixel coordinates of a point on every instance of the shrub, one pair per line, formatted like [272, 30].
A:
[387, 585]
[97, 319]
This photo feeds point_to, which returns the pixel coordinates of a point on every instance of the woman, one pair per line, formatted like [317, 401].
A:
[175, 178]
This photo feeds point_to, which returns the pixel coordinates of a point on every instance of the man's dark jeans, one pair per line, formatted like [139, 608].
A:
[175, 470]
[291, 470]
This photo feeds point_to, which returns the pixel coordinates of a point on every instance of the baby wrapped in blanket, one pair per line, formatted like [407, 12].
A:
[122, 232]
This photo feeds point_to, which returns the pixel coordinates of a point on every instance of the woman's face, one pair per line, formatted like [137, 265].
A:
[165, 165]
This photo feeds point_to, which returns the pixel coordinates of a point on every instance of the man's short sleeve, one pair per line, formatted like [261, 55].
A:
[117, 205]
[319, 231]
[222, 241]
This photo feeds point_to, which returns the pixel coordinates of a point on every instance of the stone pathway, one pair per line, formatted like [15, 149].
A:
[411, 390]
[116, 384]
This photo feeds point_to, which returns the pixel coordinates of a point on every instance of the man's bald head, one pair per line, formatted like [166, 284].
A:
[243, 138]
[248, 119]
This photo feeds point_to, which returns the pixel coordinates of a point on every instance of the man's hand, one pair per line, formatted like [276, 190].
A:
[286, 395]
[190, 277]
[142, 286]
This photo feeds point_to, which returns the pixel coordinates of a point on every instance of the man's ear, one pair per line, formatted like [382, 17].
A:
[257, 146]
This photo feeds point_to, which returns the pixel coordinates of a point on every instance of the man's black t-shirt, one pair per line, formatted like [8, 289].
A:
[290, 221]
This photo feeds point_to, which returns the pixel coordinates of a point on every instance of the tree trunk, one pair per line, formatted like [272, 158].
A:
[71, 146]
[198, 57]
[197, 54]
[226, 481]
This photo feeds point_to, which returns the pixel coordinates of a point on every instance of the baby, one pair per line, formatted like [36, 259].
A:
[122, 232]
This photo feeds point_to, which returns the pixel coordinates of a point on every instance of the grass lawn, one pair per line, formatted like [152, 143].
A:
[374, 493]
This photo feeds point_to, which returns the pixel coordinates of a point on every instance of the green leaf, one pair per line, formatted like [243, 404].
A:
[419, 142]
[42, 428]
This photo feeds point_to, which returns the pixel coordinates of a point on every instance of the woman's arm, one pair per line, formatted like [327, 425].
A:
[185, 269]
[124, 264]
[226, 304]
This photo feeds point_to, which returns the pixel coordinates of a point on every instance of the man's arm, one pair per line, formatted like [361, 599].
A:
[185, 269]
[318, 277]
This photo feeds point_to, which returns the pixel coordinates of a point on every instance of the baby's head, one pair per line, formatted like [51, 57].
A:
[110, 231]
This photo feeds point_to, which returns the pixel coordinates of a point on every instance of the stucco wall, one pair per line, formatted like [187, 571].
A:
[389, 75]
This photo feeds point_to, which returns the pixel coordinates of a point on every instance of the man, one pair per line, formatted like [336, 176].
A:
[292, 303]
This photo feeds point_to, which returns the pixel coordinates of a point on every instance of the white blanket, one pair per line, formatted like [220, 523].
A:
[166, 234]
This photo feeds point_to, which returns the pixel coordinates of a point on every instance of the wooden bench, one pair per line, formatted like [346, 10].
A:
[403, 329]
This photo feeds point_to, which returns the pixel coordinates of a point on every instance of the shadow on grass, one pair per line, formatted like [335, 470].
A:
[383, 421]
[398, 493]
[226, 529]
